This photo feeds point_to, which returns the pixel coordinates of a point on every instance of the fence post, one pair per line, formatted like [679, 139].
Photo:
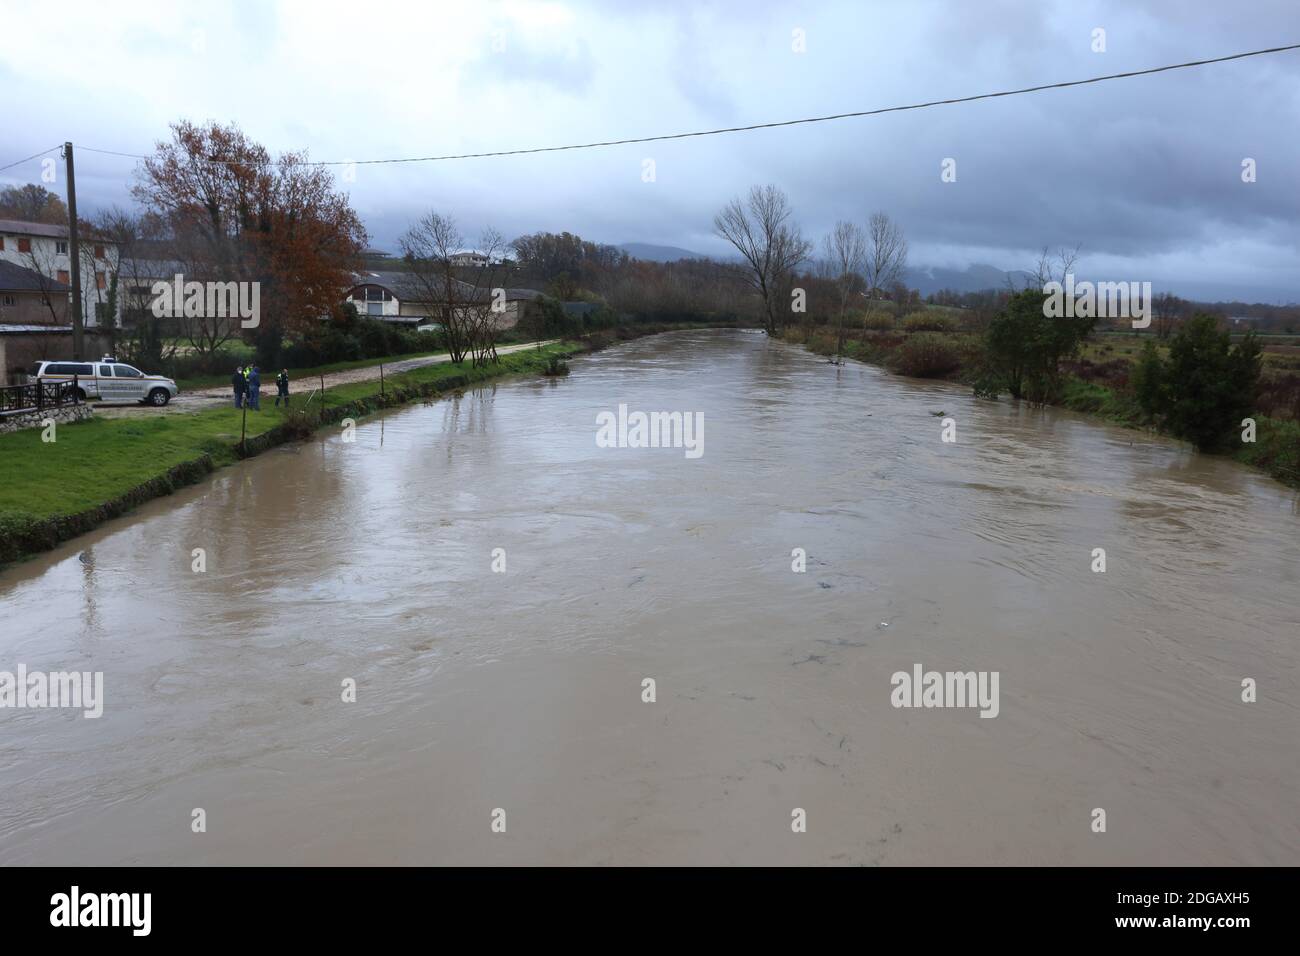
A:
[381, 379]
[40, 396]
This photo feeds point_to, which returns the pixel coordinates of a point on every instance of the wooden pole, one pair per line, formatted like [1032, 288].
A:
[74, 254]
[381, 379]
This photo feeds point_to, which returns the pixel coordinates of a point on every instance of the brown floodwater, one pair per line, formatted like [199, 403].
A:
[521, 690]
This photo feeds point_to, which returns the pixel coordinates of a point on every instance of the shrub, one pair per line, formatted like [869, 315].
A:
[926, 355]
[878, 322]
[927, 322]
[1025, 346]
[1207, 385]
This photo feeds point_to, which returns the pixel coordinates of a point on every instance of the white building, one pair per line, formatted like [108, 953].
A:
[44, 249]
[471, 259]
[400, 298]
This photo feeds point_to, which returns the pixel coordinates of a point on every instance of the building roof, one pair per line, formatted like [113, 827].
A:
[21, 227]
[16, 278]
[29, 329]
[141, 268]
[405, 287]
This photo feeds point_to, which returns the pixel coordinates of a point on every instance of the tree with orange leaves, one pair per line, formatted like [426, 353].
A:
[237, 215]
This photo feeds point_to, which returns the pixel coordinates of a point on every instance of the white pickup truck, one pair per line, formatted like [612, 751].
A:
[107, 380]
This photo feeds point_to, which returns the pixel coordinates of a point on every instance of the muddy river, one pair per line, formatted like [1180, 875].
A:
[500, 589]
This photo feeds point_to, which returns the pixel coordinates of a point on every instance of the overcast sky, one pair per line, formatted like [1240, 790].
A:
[1144, 173]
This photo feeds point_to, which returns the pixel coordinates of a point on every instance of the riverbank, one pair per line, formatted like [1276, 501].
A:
[1095, 384]
[101, 469]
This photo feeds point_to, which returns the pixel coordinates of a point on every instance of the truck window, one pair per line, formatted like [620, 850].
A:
[125, 371]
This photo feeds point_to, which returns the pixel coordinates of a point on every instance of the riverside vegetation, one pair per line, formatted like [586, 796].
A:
[1198, 385]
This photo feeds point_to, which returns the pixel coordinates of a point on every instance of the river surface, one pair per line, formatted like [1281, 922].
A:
[522, 690]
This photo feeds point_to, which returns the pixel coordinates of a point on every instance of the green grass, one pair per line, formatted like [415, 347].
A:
[96, 461]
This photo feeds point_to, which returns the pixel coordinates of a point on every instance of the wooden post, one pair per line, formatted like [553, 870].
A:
[381, 379]
[243, 427]
[322, 396]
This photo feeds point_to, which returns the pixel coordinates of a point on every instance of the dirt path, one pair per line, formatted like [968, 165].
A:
[199, 399]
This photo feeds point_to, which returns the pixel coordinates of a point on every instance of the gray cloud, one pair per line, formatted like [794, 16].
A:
[1144, 174]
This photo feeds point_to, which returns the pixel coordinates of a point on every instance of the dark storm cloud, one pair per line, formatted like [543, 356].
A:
[1144, 174]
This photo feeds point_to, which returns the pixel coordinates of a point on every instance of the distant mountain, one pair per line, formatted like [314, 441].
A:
[649, 252]
[974, 278]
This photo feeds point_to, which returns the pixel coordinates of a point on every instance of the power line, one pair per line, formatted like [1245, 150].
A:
[30, 158]
[755, 126]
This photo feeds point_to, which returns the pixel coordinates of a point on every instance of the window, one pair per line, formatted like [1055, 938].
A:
[24, 244]
[99, 281]
[69, 368]
[125, 371]
[99, 254]
[64, 277]
[61, 248]
[10, 300]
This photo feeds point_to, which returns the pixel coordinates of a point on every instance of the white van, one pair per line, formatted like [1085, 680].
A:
[107, 380]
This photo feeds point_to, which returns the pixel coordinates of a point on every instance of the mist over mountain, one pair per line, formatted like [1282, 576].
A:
[650, 252]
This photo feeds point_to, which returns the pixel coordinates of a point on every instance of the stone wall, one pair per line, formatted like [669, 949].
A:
[63, 415]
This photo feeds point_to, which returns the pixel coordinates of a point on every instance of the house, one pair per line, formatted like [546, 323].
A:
[135, 280]
[34, 322]
[401, 298]
[470, 259]
[44, 249]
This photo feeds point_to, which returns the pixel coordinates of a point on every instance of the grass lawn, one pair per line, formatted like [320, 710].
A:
[98, 460]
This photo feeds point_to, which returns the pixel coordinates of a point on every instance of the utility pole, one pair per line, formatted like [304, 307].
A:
[74, 253]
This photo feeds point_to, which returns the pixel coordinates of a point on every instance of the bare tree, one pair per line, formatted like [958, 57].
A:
[844, 254]
[1168, 309]
[772, 246]
[43, 264]
[149, 339]
[886, 253]
[486, 297]
[1045, 271]
[468, 310]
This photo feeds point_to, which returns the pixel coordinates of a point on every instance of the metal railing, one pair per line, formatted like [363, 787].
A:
[38, 396]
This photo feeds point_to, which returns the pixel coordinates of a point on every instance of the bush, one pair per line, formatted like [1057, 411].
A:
[1024, 347]
[926, 355]
[878, 322]
[927, 322]
[1207, 385]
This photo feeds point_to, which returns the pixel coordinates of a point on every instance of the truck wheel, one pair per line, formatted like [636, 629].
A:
[159, 397]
